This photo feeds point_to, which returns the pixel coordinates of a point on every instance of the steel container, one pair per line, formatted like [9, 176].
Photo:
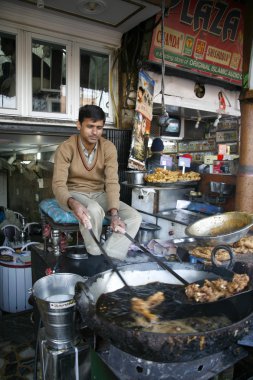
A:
[54, 295]
[147, 232]
[222, 188]
[134, 177]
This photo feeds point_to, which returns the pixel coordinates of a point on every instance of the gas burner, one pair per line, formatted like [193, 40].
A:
[126, 366]
[77, 256]
[77, 252]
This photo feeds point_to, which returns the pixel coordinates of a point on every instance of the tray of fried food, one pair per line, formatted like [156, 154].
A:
[204, 253]
[244, 245]
[166, 177]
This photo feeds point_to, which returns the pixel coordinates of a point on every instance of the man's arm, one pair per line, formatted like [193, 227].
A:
[112, 187]
[62, 161]
[80, 211]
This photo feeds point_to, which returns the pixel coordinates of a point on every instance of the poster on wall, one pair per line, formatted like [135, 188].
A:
[203, 36]
[142, 121]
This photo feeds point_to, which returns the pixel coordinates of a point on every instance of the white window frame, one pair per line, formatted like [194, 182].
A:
[19, 69]
[24, 37]
[76, 59]
[28, 46]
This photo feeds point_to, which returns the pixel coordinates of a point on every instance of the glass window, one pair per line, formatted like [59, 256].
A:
[8, 71]
[48, 77]
[94, 79]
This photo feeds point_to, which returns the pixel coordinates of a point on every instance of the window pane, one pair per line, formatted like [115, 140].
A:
[8, 71]
[94, 79]
[48, 77]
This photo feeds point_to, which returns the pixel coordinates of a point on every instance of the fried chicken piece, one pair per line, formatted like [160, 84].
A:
[245, 243]
[216, 289]
[239, 282]
[143, 307]
[206, 293]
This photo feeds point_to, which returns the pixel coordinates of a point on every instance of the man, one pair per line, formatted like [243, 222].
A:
[85, 180]
[154, 161]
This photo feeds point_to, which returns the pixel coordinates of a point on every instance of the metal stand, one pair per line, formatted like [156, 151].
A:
[65, 364]
[55, 242]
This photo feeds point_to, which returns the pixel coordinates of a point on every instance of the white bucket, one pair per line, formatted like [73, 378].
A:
[54, 295]
[15, 282]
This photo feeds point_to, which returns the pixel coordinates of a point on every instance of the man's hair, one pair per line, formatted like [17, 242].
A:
[91, 111]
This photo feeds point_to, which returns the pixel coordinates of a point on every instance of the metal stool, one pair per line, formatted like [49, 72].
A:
[60, 221]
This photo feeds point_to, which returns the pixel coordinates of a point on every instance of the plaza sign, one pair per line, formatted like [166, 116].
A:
[203, 36]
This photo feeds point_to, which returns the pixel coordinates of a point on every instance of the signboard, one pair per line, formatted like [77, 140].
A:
[145, 92]
[203, 36]
[142, 121]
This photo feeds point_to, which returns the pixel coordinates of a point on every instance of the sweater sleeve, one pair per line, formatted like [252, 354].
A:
[112, 186]
[62, 160]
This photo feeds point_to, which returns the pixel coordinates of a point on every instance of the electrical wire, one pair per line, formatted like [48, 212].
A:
[112, 95]
[163, 62]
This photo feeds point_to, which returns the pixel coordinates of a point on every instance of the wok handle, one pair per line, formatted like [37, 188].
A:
[214, 260]
[159, 262]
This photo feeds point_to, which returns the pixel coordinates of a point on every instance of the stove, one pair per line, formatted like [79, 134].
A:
[127, 367]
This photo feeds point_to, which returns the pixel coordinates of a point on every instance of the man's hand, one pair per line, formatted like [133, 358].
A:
[117, 225]
[80, 212]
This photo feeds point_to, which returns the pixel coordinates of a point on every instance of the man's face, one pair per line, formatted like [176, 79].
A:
[90, 130]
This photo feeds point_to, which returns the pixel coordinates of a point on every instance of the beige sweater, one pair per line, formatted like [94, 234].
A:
[72, 172]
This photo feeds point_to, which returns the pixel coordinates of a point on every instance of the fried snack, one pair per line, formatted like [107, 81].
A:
[169, 176]
[205, 253]
[214, 290]
[143, 307]
[244, 245]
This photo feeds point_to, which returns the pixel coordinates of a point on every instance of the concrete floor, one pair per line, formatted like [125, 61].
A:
[17, 346]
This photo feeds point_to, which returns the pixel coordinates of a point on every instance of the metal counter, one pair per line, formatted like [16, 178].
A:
[181, 216]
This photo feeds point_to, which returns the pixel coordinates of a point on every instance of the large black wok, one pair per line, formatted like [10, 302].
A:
[162, 347]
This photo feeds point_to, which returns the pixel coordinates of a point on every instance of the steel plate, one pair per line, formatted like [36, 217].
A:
[171, 184]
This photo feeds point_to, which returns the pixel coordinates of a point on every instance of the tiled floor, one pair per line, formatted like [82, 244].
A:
[17, 346]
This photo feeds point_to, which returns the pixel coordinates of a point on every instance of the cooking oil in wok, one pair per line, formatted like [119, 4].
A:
[173, 317]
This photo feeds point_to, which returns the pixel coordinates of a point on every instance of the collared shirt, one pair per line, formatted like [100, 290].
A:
[89, 156]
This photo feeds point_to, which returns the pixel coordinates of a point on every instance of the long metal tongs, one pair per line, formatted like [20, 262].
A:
[154, 258]
[110, 262]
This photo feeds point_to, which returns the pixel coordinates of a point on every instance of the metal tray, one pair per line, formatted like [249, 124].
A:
[171, 184]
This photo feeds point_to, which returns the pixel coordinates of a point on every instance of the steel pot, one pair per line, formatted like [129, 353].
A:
[221, 188]
[161, 347]
[147, 232]
[226, 228]
[134, 177]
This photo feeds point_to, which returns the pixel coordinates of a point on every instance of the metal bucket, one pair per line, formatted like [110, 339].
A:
[135, 177]
[54, 295]
[147, 232]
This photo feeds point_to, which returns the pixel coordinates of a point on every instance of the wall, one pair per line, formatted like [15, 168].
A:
[3, 189]
[24, 193]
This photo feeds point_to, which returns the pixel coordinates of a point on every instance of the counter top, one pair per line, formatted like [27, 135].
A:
[41, 261]
[181, 216]
[226, 178]
[163, 186]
